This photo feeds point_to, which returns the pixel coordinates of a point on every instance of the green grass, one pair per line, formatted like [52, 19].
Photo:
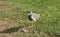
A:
[15, 12]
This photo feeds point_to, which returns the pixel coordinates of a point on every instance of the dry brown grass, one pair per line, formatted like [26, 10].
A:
[2, 0]
[7, 35]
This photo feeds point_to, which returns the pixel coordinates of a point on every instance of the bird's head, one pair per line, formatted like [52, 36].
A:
[29, 12]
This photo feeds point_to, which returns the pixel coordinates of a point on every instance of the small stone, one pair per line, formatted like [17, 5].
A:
[24, 30]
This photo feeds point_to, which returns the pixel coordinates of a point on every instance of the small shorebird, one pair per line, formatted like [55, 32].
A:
[33, 16]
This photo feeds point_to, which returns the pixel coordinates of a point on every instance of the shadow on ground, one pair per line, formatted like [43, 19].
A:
[11, 30]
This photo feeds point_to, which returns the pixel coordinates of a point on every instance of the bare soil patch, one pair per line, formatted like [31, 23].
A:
[4, 6]
[2, 0]
[17, 9]
[7, 35]
[4, 25]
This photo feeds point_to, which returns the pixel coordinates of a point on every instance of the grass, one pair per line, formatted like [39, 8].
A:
[14, 12]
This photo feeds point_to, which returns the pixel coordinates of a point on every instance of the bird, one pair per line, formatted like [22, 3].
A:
[33, 16]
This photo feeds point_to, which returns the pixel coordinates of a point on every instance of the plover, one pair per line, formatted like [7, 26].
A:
[33, 16]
